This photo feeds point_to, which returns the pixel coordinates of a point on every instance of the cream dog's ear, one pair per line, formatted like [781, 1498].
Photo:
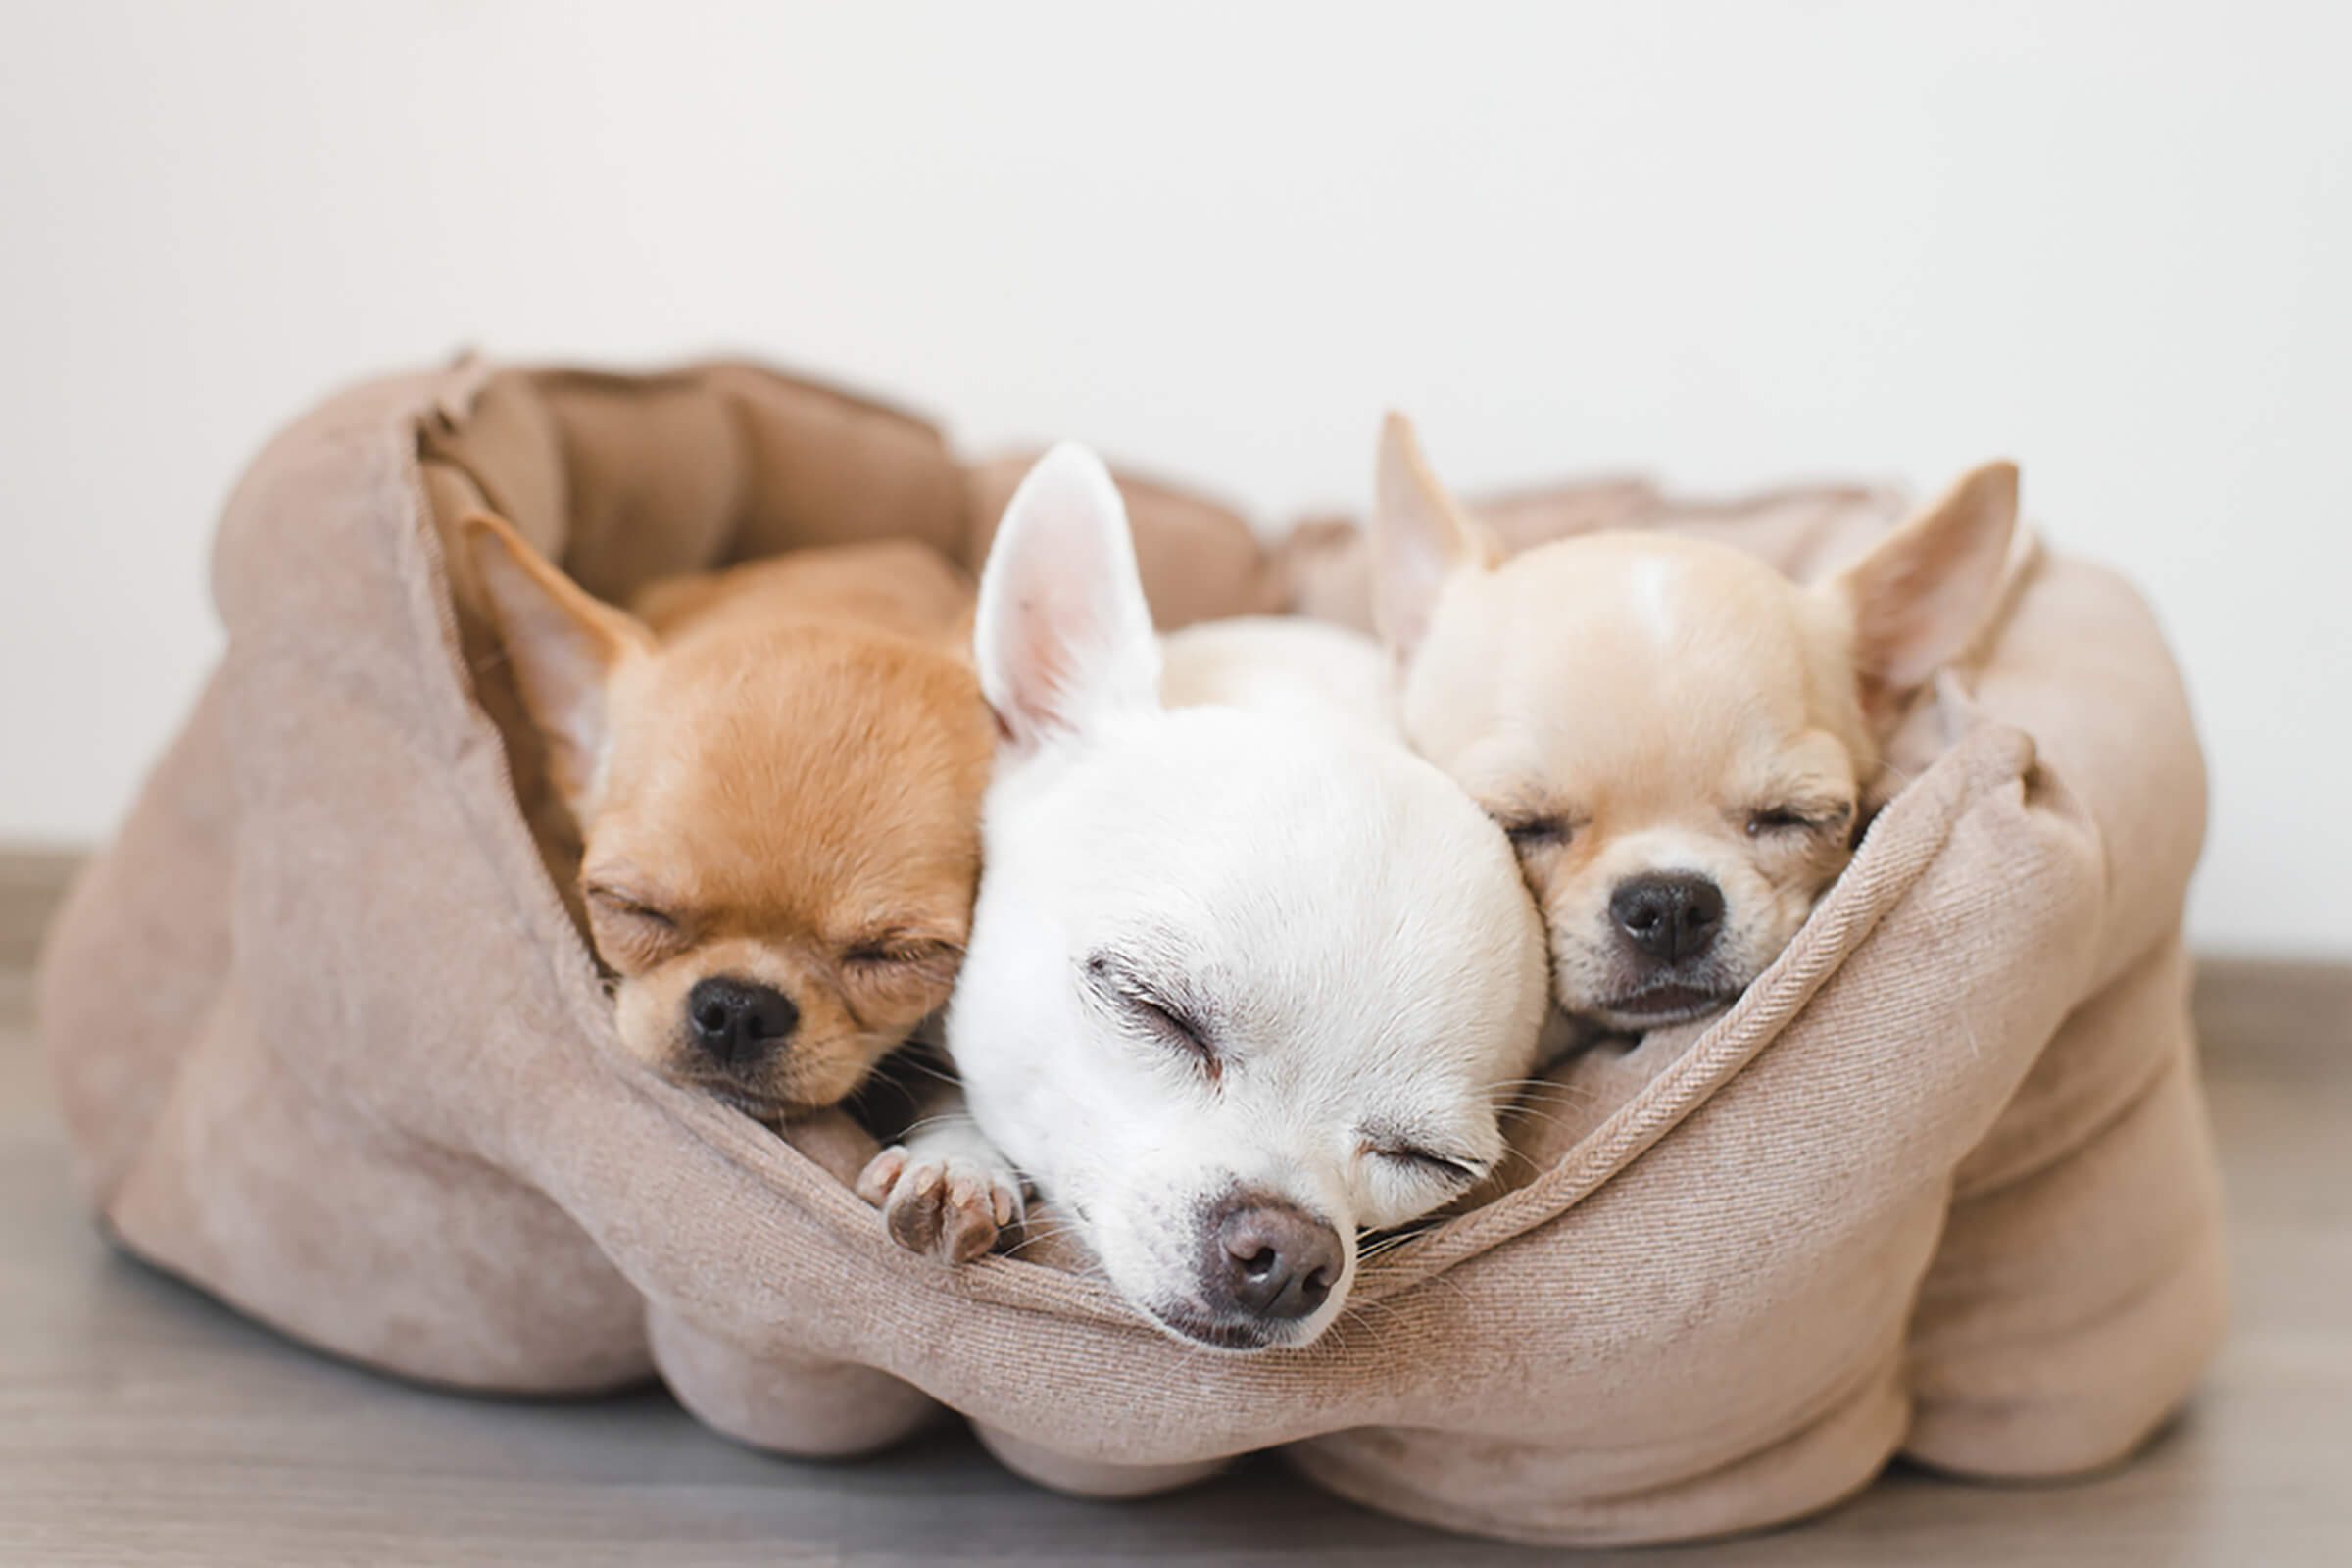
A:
[566, 647]
[1927, 589]
[1063, 637]
[1420, 537]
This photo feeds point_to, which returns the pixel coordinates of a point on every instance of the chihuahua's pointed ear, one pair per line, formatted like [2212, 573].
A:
[1420, 537]
[1062, 636]
[564, 645]
[1924, 591]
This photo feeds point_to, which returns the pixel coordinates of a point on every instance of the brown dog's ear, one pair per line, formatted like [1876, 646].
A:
[1929, 587]
[1420, 537]
[565, 647]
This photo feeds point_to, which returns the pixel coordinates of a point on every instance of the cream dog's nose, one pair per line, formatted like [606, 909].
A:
[1670, 916]
[1270, 1259]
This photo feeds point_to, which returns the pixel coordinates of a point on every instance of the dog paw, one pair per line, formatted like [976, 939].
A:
[952, 1207]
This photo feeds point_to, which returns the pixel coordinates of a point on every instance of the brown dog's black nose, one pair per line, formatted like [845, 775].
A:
[1270, 1259]
[737, 1021]
[1671, 917]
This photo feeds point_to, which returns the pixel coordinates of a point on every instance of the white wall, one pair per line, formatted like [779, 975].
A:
[1731, 242]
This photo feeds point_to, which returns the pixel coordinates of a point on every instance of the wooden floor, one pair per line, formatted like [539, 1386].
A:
[141, 1424]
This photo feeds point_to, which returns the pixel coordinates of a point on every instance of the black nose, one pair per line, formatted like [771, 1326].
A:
[1270, 1259]
[738, 1021]
[1670, 918]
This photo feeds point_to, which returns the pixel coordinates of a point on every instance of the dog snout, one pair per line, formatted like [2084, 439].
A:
[738, 1021]
[1270, 1259]
[1668, 916]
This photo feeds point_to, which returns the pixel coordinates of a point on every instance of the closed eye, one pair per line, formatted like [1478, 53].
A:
[630, 933]
[1153, 1012]
[894, 948]
[1768, 821]
[1175, 1028]
[1429, 1162]
[1537, 831]
[898, 959]
[615, 901]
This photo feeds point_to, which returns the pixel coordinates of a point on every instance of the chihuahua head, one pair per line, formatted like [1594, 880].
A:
[780, 826]
[1240, 986]
[1676, 737]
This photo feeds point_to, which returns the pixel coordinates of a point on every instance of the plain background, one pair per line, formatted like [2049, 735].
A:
[1729, 243]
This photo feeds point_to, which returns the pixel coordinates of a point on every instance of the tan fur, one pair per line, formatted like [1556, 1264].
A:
[1638, 704]
[777, 772]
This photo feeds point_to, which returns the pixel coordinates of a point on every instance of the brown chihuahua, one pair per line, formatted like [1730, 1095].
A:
[776, 772]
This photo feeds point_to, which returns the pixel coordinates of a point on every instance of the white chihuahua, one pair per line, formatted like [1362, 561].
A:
[1244, 976]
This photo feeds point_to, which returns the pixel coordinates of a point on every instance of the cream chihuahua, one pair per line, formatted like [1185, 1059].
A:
[1246, 976]
[1677, 738]
[776, 772]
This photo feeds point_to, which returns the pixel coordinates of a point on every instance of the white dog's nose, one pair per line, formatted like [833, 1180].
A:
[1271, 1259]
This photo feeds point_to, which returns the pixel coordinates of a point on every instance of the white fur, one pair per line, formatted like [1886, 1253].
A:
[1260, 842]
[1061, 630]
[1653, 597]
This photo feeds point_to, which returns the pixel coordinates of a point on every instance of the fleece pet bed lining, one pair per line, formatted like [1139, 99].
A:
[1939, 1183]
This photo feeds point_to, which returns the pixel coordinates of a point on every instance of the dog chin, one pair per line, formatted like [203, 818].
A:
[752, 1103]
[774, 1098]
[1224, 1335]
[1653, 1007]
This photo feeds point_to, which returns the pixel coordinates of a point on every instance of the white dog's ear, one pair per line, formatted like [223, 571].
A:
[566, 648]
[1062, 636]
[1420, 537]
[1928, 588]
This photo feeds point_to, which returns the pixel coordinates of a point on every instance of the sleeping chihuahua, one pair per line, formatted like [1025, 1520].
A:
[776, 772]
[1677, 738]
[1245, 974]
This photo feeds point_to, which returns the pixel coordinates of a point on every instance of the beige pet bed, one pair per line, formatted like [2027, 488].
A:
[331, 1047]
